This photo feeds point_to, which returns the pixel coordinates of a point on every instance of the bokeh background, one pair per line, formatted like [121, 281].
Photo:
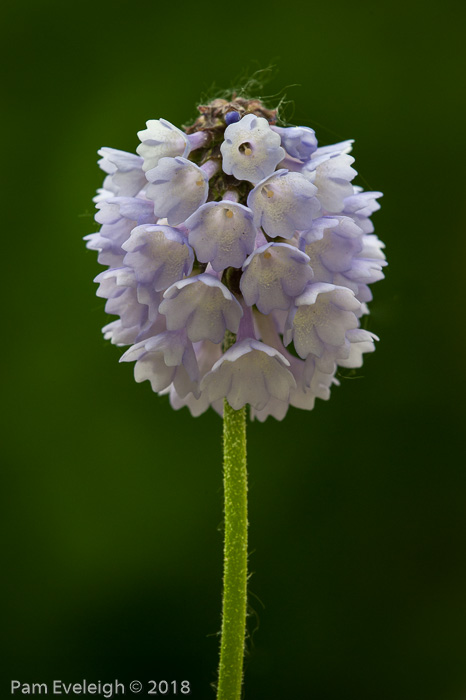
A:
[112, 509]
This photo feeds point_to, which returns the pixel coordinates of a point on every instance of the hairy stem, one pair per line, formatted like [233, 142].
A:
[235, 551]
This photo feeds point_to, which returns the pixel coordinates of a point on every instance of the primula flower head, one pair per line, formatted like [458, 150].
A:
[236, 225]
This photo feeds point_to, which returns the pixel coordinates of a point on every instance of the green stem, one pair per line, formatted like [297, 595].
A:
[235, 551]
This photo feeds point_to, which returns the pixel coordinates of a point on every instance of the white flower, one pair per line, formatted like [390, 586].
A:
[251, 150]
[161, 140]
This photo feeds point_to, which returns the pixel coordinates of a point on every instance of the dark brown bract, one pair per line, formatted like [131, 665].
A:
[212, 116]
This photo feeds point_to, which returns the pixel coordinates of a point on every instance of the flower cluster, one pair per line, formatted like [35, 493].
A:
[236, 225]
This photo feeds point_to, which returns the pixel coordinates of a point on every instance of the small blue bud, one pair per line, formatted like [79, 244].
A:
[232, 117]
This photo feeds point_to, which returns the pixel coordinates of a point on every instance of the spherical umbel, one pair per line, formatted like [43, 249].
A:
[236, 223]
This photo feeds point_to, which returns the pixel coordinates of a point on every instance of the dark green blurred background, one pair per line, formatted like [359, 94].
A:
[112, 501]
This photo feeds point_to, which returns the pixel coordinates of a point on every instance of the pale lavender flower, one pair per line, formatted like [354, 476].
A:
[202, 305]
[125, 175]
[236, 224]
[320, 318]
[118, 216]
[340, 253]
[360, 206]
[222, 234]
[298, 141]
[311, 384]
[207, 354]
[274, 275]
[329, 169]
[284, 203]
[119, 287]
[249, 372]
[159, 255]
[165, 359]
